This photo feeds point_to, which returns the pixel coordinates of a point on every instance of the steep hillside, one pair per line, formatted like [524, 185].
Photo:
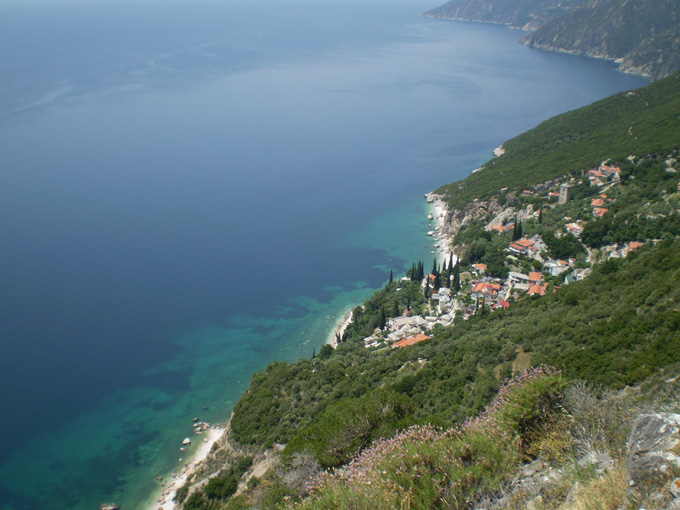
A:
[640, 34]
[632, 123]
[375, 422]
[525, 14]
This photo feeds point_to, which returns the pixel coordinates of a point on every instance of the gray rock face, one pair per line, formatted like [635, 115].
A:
[653, 450]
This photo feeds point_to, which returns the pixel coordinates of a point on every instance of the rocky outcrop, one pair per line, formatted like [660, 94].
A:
[477, 211]
[651, 466]
[654, 457]
[639, 34]
[657, 56]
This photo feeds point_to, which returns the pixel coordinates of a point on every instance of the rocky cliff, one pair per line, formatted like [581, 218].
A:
[642, 35]
[525, 14]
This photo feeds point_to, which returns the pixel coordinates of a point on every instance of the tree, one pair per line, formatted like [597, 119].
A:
[540, 216]
[517, 230]
[382, 319]
[391, 277]
[455, 284]
[325, 351]
[412, 273]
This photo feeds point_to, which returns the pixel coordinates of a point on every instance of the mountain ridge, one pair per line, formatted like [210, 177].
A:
[642, 36]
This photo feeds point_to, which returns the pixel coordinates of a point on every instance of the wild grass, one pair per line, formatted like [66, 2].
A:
[427, 467]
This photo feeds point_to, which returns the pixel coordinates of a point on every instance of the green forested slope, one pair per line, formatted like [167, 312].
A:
[640, 122]
[615, 328]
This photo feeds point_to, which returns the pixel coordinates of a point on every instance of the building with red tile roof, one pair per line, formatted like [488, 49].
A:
[574, 228]
[502, 303]
[410, 341]
[535, 277]
[537, 289]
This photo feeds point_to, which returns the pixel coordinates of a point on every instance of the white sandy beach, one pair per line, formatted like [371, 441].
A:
[164, 500]
[340, 327]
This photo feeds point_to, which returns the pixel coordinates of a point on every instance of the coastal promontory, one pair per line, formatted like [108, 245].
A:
[643, 36]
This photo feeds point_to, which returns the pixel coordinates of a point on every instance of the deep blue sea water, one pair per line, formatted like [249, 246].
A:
[190, 190]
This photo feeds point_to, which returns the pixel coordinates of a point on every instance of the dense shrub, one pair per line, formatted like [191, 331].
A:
[426, 467]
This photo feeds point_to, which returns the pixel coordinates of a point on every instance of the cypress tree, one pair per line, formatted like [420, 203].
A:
[517, 230]
[456, 277]
[420, 272]
[391, 277]
[434, 267]
[395, 310]
[382, 320]
[540, 216]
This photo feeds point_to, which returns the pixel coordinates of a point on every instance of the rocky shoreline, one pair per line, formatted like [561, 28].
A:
[441, 233]
[164, 500]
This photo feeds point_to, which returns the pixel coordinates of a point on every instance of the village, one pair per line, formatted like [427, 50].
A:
[476, 292]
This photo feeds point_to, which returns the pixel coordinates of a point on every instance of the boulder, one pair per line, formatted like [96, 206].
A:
[675, 488]
[186, 442]
[653, 451]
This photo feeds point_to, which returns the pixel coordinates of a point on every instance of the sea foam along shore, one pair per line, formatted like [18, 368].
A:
[165, 499]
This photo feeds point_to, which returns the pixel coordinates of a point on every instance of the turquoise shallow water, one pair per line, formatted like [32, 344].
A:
[191, 190]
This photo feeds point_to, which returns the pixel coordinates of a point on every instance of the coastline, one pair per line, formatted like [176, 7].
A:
[443, 237]
[339, 329]
[163, 499]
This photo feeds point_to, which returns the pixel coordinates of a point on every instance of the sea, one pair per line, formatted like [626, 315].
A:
[193, 189]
